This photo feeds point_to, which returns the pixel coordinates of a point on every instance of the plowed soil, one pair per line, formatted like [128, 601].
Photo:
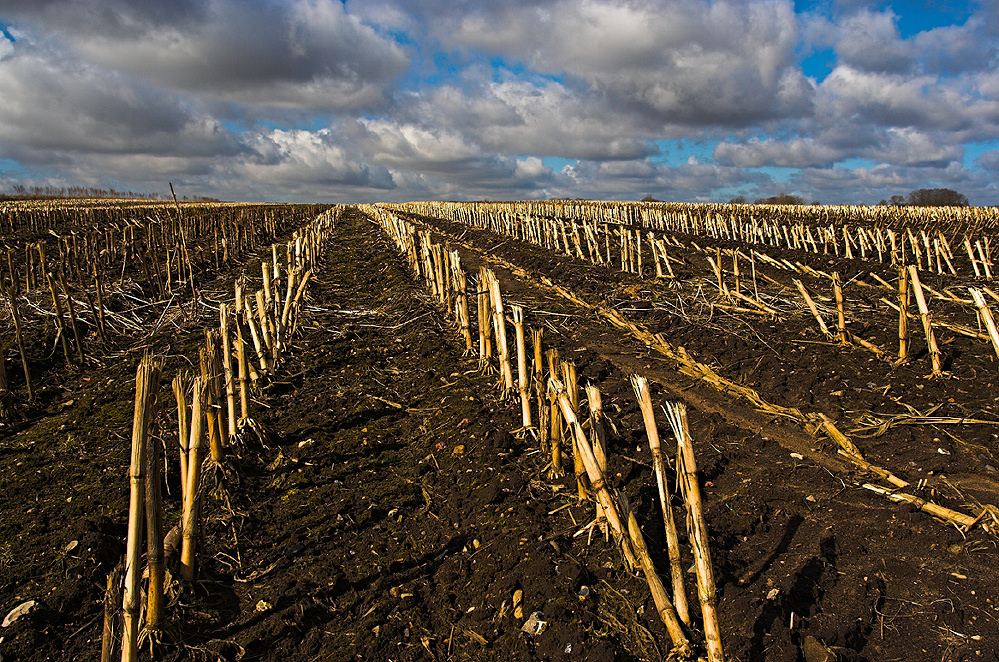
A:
[397, 509]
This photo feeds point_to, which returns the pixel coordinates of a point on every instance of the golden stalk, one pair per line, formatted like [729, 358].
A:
[77, 339]
[571, 384]
[633, 556]
[251, 322]
[506, 373]
[211, 373]
[230, 387]
[265, 270]
[840, 314]
[597, 430]
[841, 439]
[485, 322]
[537, 336]
[181, 384]
[735, 269]
[461, 303]
[265, 323]
[191, 514]
[60, 325]
[147, 378]
[986, 314]
[811, 307]
[522, 382]
[598, 441]
[112, 598]
[667, 611]
[926, 317]
[282, 322]
[243, 361]
[958, 519]
[295, 302]
[655, 256]
[555, 435]
[154, 526]
[697, 529]
[903, 315]
[641, 388]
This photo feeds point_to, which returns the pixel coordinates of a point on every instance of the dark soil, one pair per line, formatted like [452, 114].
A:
[395, 511]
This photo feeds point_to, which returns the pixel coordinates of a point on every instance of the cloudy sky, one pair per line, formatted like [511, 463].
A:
[841, 101]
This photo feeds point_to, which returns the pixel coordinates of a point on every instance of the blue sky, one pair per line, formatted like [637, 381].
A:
[839, 101]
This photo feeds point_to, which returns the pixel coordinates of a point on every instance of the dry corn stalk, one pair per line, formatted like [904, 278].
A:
[251, 322]
[667, 612]
[60, 325]
[112, 598]
[958, 519]
[230, 387]
[266, 326]
[697, 529]
[986, 315]
[618, 523]
[571, 384]
[926, 317]
[598, 441]
[154, 529]
[461, 308]
[77, 338]
[485, 323]
[242, 360]
[537, 336]
[499, 320]
[147, 379]
[840, 314]
[555, 435]
[522, 382]
[16, 314]
[811, 307]
[191, 514]
[844, 442]
[211, 375]
[641, 387]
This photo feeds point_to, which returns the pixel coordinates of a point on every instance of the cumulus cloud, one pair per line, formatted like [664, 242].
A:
[519, 117]
[298, 54]
[910, 147]
[870, 41]
[795, 153]
[865, 36]
[6, 47]
[960, 49]
[404, 99]
[693, 63]
[52, 102]
[299, 160]
[892, 100]
[989, 160]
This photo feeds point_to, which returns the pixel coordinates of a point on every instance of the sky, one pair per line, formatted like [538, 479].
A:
[838, 101]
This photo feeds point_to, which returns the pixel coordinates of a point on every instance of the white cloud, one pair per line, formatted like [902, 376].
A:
[50, 102]
[402, 99]
[300, 160]
[795, 153]
[870, 41]
[989, 160]
[910, 147]
[532, 169]
[893, 100]
[298, 54]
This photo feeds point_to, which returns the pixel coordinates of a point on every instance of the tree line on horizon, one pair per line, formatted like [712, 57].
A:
[22, 192]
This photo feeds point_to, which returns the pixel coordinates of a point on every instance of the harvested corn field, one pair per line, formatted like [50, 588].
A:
[445, 431]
